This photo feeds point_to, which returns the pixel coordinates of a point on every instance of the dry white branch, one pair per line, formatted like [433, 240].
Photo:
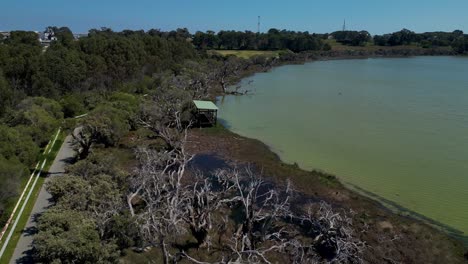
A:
[333, 234]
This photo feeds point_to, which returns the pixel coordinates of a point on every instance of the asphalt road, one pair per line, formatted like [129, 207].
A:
[23, 249]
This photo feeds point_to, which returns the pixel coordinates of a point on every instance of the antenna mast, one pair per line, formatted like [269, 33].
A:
[258, 25]
[344, 25]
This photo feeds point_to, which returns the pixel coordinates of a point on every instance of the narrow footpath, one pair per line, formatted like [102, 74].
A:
[23, 249]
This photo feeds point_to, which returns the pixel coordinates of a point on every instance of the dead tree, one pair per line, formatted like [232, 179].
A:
[197, 79]
[229, 67]
[84, 138]
[333, 236]
[159, 186]
[169, 208]
[261, 205]
[202, 201]
[104, 212]
[263, 208]
[163, 115]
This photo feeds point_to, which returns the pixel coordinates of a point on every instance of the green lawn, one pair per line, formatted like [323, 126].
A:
[29, 206]
[247, 53]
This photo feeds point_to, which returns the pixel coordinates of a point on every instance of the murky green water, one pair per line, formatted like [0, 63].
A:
[395, 127]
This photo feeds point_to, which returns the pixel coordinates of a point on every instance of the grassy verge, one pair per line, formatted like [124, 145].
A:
[50, 156]
[369, 46]
[335, 46]
[246, 54]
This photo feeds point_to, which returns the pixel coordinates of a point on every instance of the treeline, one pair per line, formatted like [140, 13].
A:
[352, 38]
[274, 39]
[456, 39]
[103, 59]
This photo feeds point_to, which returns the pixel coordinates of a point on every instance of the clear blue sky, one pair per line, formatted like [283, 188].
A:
[376, 16]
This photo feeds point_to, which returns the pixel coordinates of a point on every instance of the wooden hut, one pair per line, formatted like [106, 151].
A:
[207, 113]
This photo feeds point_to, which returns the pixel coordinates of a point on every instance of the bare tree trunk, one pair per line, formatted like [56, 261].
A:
[129, 202]
[165, 252]
[223, 84]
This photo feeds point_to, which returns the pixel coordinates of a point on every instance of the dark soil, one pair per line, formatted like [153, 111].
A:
[390, 238]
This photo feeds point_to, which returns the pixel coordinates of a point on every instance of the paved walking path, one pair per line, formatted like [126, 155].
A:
[24, 246]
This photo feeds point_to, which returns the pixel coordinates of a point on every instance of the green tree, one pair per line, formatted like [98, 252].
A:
[97, 163]
[72, 105]
[39, 117]
[64, 35]
[460, 45]
[64, 67]
[11, 173]
[111, 124]
[104, 125]
[69, 236]
[14, 145]
[23, 37]
[6, 94]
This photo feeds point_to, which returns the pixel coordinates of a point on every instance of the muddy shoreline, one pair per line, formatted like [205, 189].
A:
[418, 235]
[384, 231]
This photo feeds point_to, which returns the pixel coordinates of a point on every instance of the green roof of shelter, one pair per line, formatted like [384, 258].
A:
[205, 105]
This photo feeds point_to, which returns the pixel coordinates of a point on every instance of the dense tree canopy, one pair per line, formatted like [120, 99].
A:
[456, 39]
[274, 39]
[11, 173]
[38, 87]
[70, 236]
[353, 38]
[37, 116]
[88, 223]
[15, 145]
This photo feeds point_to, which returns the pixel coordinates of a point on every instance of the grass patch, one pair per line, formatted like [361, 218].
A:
[32, 201]
[370, 46]
[246, 54]
[336, 46]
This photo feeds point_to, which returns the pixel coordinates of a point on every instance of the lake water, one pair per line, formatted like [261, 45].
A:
[395, 127]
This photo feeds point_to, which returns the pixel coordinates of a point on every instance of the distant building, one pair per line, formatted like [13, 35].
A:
[45, 38]
[4, 34]
[78, 36]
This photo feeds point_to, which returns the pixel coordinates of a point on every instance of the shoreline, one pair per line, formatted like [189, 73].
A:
[389, 205]
[395, 210]
[413, 233]
[308, 57]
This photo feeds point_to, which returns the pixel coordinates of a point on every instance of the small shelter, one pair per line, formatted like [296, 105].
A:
[207, 113]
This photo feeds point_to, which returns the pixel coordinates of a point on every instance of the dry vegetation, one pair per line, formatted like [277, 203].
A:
[370, 47]
[389, 238]
[247, 54]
